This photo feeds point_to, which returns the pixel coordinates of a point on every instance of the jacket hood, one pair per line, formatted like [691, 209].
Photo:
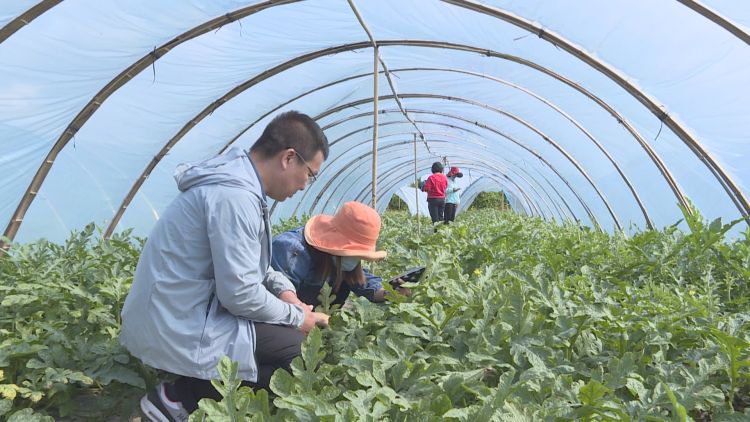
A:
[233, 169]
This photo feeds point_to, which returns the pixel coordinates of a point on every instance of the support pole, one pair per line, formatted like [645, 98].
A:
[416, 183]
[375, 129]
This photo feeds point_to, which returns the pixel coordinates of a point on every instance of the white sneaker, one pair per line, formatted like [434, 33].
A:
[157, 407]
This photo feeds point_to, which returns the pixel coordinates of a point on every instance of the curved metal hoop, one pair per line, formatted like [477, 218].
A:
[485, 127]
[729, 186]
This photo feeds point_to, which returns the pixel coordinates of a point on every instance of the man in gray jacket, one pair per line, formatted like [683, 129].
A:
[203, 287]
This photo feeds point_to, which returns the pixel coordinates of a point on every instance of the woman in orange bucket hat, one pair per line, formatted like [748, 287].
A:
[331, 249]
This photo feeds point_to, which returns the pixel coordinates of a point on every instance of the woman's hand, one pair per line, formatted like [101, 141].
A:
[379, 295]
[404, 291]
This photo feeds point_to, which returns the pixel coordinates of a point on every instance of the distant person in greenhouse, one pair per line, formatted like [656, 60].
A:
[330, 249]
[452, 197]
[435, 186]
[203, 287]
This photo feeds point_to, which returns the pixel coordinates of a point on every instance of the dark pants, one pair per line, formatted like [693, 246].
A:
[450, 212]
[436, 206]
[275, 347]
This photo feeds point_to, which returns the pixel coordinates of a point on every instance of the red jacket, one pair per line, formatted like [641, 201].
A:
[435, 186]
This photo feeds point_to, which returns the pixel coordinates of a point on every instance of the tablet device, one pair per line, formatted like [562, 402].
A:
[409, 276]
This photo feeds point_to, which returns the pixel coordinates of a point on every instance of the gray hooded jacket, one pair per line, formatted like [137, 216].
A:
[203, 276]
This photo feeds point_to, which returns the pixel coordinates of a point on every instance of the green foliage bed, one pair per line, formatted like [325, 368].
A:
[516, 319]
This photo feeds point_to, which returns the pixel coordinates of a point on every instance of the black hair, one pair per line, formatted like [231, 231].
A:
[324, 269]
[437, 167]
[292, 129]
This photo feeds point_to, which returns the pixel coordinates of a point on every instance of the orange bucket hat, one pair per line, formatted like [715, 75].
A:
[353, 231]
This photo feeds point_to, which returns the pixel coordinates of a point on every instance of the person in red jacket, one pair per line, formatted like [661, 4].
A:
[435, 187]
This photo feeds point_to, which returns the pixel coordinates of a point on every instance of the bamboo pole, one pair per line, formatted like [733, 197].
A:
[416, 184]
[375, 129]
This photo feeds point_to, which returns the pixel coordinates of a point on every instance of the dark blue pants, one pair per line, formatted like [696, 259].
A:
[436, 206]
[450, 212]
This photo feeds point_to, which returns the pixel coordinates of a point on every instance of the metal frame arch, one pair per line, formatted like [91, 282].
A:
[473, 191]
[661, 167]
[44, 169]
[420, 111]
[340, 177]
[717, 18]
[653, 155]
[531, 212]
[512, 165]
[93, 105]
[536, 155]
[508, 165]
[575, 193]
[26, 18]
[734, 193]
[658, 162]
[698, 7]
[448, 125]
[366, 128]
[479, 184]
[394, 186]
[389, 180]
[471, 102]
[118, 81]
[349, 164]
[28, 197]
[356, 163]
[472, 122]
[538, 132]
[535, 206]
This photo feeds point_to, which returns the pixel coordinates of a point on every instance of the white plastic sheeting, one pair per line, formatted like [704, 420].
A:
[416, 200]
[485, 184]
[488, 95]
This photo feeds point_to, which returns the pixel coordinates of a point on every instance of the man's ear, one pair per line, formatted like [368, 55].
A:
[286, 157]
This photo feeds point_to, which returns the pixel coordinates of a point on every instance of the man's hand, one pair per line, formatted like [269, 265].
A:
[322, 319]
[290, 296]
[312, 319]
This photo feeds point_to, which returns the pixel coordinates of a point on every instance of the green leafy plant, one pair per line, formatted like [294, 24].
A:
[737, 351]
[59, 323]
[326, 298]
[239, 403]
[515, 318]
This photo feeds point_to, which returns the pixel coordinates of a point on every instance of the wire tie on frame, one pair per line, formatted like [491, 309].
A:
[155, 55]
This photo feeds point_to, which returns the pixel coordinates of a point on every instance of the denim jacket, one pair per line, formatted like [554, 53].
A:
[293, 257]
